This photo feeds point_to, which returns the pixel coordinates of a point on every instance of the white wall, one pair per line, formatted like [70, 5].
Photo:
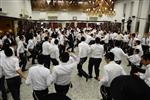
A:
[14, 7]
[60, 15]
[144, 12]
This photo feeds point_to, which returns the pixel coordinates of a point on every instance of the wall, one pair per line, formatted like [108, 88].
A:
[14, 7]
[60, 15]
[140, 9]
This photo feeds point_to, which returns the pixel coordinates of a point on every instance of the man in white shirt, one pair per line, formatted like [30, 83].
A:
[84, 50]
[12, 72]
[111, 71]
[21, 50]
[96, 54]
[118, 52]
[62, 45]
[135, 60]
[106, 41]
[46, 48]
[2, 78]
[146, 76]
[38, 78]
[138, 46]
[30, 48]
[61, 74]
[145, 43]
[54, 54]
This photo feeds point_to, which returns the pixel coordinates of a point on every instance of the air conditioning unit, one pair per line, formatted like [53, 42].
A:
[2, 13]
[52, 17]
[93, 18]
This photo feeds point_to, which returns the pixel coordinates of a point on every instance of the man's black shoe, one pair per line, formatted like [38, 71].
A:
[80, 75]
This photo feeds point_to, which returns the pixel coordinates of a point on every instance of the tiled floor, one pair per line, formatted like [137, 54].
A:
[81, 90]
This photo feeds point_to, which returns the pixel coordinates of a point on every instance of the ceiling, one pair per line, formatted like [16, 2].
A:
[64, 5]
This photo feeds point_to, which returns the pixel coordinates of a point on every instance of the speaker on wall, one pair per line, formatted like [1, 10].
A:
[0, 9]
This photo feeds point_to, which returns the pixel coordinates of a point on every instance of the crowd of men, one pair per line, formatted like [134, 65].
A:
[65, 48]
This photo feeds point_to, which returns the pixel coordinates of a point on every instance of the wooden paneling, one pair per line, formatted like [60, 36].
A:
[6, 26]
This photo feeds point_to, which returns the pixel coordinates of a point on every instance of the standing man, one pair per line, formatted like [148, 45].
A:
[12, 72]
[38, 78]
[55, 53]
[97, 51]
[145, 43]
[21, 53]
[71, 39]
[30, 48]
[84, 50]
[61, 74]
[2, 78]
[129, 22]
[46, 48]
[111, 71]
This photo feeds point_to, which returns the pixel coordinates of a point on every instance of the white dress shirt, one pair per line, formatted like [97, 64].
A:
[132, 42]
[61, 74]
[13, 50]
[84, 49]
[106, 38]
[88, 38]
[10, 65]
[30, 44]
[126, 38]
[38, 77]
[1, 72]
[135, 59]
[140, 48]
[146, 76]
[2, 56]
[46, 48]
[54, 52]
[97, 51]
[118, 52]
[17, 39]
[111, 71]
[61, 39]
[20, 48]
[1, 43]
[145, 41]
[119, 37]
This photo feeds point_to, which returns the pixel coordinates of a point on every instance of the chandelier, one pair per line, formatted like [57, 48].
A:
[91, 7]
[102, 7]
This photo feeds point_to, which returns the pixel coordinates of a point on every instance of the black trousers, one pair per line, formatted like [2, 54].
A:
[60, 89]
[39, 94]
[105, 92]
[62, 49]
[81, 72]
[54, 61]
[23, 61]
[96, 63]
[14, 87]
[2, 88]
[33, 55]
[106, 47]
[145, 49]
[135, 69]
[71, 45]
[46, 60]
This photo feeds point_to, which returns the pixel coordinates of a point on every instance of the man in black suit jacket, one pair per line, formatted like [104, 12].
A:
[71, 39]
